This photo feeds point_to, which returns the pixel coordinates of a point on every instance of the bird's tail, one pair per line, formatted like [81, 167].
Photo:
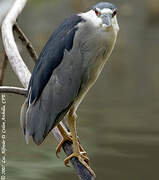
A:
[35, 121]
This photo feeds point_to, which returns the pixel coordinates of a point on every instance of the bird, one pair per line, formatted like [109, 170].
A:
[68, 66]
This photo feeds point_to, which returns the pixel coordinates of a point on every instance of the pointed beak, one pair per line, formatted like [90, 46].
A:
[106, 18]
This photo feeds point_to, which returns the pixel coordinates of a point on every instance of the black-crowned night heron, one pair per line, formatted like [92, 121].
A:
[67, 67]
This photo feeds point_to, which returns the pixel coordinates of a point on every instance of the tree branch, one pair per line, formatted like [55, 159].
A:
[11, 49]
[15, 90]
[3, 66]
[26, 42]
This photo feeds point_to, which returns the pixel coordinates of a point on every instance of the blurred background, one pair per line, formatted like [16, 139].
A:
[118, 121]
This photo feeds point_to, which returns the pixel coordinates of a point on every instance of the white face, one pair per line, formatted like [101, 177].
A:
[108, 18]
[103, 19]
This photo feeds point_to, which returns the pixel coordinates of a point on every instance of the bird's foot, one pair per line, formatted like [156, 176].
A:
[82, 158]
[66, 137]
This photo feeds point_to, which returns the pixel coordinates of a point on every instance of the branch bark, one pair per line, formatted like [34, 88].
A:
[24, 75]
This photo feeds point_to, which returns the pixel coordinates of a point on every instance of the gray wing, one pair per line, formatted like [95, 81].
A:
[56, 98]
[54, 84]
[52, 55]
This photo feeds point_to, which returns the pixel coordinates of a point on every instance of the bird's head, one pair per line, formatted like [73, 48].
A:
[105, 15]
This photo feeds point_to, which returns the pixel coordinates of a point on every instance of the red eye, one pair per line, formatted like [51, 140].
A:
[114, 13]
[97, 12]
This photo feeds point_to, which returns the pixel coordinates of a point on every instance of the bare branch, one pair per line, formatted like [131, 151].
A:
[11, 49]
[15, 90]
[26, 42]
[3, 66]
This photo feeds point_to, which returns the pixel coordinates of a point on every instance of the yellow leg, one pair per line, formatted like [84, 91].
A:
[68, 137]
[76, 149]
[65, 137]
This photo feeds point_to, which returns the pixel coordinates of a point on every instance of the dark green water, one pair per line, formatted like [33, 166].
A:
[118, 121]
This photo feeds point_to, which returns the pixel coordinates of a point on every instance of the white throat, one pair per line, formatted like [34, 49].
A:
[97, 21]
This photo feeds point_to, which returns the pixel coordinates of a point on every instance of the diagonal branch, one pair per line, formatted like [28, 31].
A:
[26, 42]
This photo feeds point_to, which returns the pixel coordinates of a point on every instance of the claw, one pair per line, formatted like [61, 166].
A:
[68, 137]
[79, 152]
[58, 149]
[79, 156]
[83, 160]
[82, 151]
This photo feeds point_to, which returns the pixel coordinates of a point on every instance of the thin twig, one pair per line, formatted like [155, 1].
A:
[3, 66]
[15, 90]
[26, 42]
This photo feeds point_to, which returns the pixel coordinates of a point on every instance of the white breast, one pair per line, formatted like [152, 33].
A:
[97, 47]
